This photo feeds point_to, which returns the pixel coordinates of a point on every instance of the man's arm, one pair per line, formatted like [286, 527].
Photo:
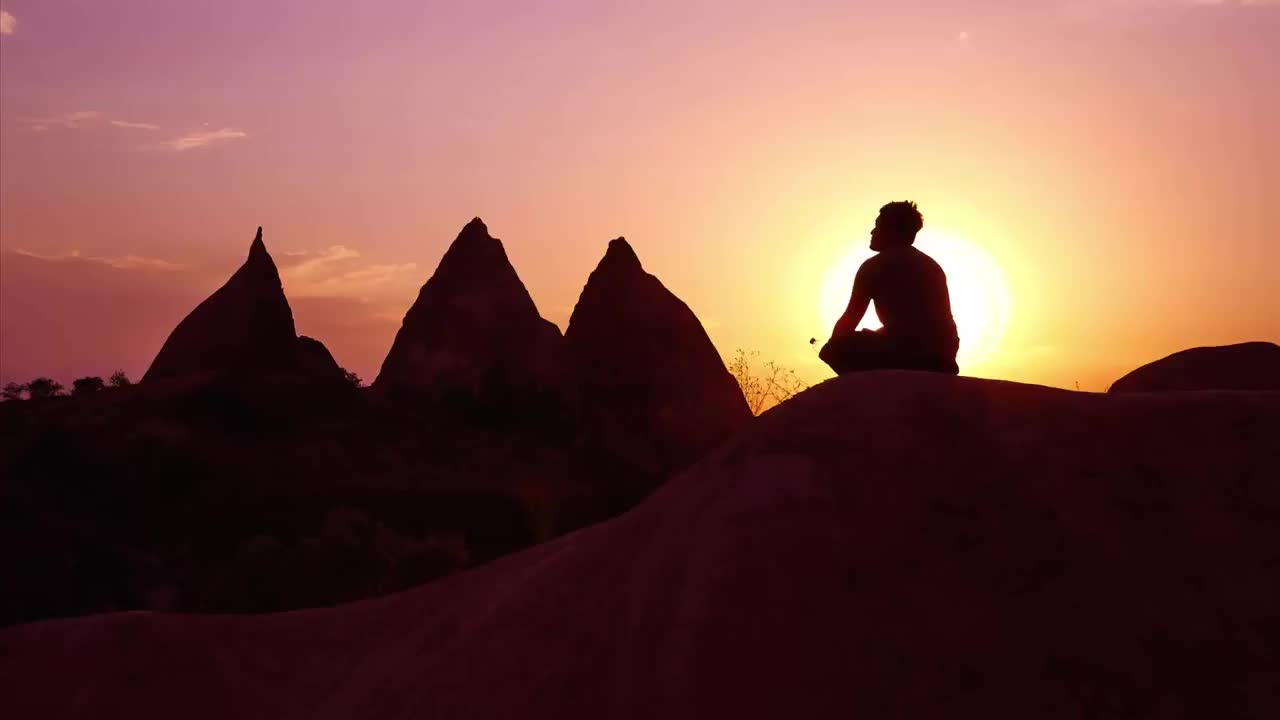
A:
[858, 303]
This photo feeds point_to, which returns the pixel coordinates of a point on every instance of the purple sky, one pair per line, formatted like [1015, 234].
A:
[1116, 159]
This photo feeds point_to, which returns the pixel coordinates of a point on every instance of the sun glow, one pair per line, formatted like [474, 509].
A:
[980, 298]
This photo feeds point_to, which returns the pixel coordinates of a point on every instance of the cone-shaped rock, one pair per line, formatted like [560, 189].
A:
[473, 329]
[1246, 366]
[645, 366]
[246, 326]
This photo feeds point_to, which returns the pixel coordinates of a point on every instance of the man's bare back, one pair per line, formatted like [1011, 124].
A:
[909, 291]
[911, 299]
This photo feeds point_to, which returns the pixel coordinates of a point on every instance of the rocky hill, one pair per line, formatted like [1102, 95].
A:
[884, 545]
[1244, 366]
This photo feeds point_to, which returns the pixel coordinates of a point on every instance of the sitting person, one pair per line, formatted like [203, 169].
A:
[909, 290]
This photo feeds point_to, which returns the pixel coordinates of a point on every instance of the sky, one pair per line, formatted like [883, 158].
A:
[1098, 177]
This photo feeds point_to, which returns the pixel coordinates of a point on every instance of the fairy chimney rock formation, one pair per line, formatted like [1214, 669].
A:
[644, 365]
[473, 330]
[244, 328]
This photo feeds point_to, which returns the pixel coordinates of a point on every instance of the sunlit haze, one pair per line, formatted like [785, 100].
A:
[1098, 177]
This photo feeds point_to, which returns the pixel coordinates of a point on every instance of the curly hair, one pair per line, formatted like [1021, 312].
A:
[903, 218]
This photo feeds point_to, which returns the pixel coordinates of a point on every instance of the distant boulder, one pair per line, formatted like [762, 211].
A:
[474, 332]
[645, 368]
[245, 328]
[1246, 366]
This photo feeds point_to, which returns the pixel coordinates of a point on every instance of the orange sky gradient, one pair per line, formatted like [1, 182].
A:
[1116, 159]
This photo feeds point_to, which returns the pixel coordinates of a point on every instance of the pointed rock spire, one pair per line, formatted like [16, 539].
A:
[246, 326]
[474, 239]
[473, 328]
[645, 366]
[475, 227]
[258, 249]
[621, 255]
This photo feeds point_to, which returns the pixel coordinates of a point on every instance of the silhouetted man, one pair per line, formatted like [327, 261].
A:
[910, 293]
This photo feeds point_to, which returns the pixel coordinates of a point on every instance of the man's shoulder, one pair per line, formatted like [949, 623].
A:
[869, 270]
[923, 259]
[871, 263]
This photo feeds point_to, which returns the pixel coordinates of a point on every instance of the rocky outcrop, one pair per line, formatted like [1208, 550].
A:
[314, 359]
[646, 372]
[245, 328]
[474, 331]
[1246, 366]
[888, 544]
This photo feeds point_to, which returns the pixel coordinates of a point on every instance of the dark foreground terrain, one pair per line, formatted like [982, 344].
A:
[247, 473]
[884, 545]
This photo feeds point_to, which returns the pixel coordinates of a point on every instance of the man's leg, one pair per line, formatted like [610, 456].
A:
[873, 350]
[856, 352]
[914, 359]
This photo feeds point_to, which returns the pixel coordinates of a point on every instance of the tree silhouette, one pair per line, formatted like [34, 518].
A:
[352, 378]
[12, 391]
[119, 379]
[87, 385]
[773, 385]
[43, 387]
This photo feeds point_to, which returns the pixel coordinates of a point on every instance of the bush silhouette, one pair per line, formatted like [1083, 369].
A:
[352, 556]
[43, 387]
[119, 379]
[12, 391]
[87, 385]
[773, 385]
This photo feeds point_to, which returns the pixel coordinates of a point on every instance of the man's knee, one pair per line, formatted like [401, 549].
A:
[862, 350]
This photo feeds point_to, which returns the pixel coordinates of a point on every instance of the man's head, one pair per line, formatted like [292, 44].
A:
[896, 226]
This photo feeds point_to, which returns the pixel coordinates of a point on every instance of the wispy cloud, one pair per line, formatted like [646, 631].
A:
[376, 274]
[86, 118]
[360, 282]
[80, 119]
[306, 263]
[204, 138]
[69, 120]
[134, 125]
[8, 23]
[332, 273]
[120, 262]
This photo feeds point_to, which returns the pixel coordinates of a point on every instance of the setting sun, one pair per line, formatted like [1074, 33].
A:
[980, 299]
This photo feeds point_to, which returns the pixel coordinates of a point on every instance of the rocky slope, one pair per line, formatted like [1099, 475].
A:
[884, 545]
